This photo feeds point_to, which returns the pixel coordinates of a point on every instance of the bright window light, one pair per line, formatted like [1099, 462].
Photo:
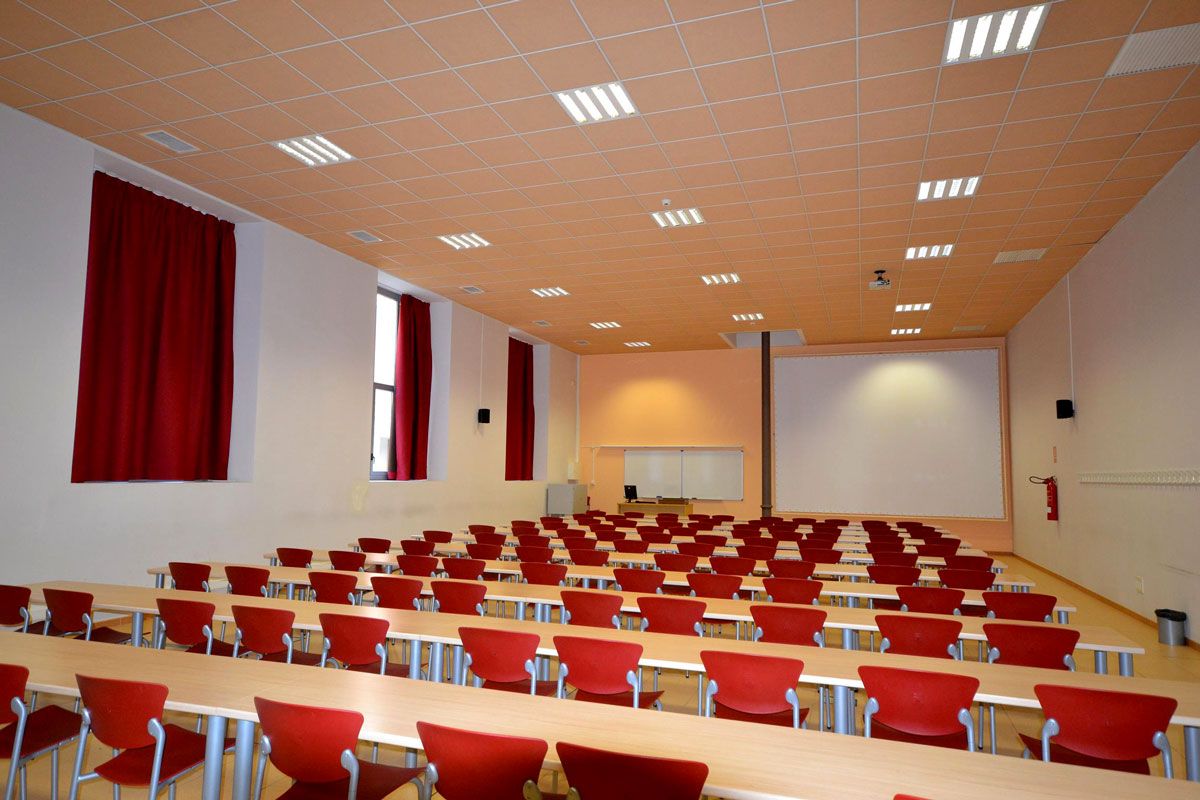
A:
[314, 151]
[462, 241]
[747, 317]
[724, 277]
[673, 219]
[914, 307]
[605, 325]
[637, 344]
[992, 35]
[600, 103]
[947, 189]
[551, 291]
[927, 251]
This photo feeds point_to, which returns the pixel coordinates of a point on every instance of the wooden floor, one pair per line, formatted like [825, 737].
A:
[1160, 661]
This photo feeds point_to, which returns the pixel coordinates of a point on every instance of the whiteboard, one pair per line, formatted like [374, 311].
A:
[910, 434]
[692, 473]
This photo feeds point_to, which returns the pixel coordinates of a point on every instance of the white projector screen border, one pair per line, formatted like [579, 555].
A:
[890, 434]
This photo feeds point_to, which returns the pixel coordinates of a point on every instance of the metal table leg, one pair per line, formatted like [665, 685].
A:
[1191, 751]
[1062, 617]
[1125, 664]
[1101, 662]
[414, 659]
[457, 667]
[843, 710]
[214, 752]
[136, 629]
[243, 759]
[435, 661]
[159, 580]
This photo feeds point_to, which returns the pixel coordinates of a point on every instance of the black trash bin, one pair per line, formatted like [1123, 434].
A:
[1170, 626]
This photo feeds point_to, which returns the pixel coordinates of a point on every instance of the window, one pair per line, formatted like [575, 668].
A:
[387, 313]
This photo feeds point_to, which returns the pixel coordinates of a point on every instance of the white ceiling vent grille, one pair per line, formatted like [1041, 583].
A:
[542, 323]
[1013, 256]
[471, 289]
[968, 328]
[172, 143]
[365, 236]
[1161, 49]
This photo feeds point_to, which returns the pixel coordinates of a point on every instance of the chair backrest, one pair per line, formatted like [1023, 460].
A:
[523, 525]
[485, 552]
[598, 666]
[919, 702]
[14, 604]
[588, 558]
[374, 544]
[1031, 645]
[647, 581]
[577, 540]
[472, 765]
[655, 537]
[490, 538]
[416, 547]
[969, 562]
[631, 546]
[607, 534]
[696, 548]
[936, 550]
[188, 575]
[715, 539]
[663, 614]
[710, 584]
[353, 640]
[184, 620]
[478, 529]
[542, 555]
[1020, 606]
[396, 592]
[821, 556]
[602, 775]
[294, 556]
[592, 609]
[333, 587]
[790, 568]
[541, 574]
[1119, 726]
[459, 597]
[463, 569]
[67, 608]
[875, 547]
[895, 559]
[533, 540]
[438, 537]
[499, 655]
[893, 576]
[262, 629]
[552, 522]
[731, 565]
[750, 683]
[930, 599]
[793, 590]
[757, 552]
[787, 624]
[966, 578]
[918, 636]
[307, 742]
[121, 710]
[348, 560]
[675, 562]
[720, 519]
[417, 566]
[13, 678]
[248, 581]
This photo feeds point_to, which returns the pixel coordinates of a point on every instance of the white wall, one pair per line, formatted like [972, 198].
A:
[308, 411]
[1132, 329]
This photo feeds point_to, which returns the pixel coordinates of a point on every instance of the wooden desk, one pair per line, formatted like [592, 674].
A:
[650, 509]
[746, 761]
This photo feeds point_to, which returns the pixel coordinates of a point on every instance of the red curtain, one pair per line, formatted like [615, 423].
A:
[518, 461]
[156, 364]
[414, 376]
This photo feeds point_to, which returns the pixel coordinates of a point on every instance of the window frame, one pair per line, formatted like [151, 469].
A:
[375, 474]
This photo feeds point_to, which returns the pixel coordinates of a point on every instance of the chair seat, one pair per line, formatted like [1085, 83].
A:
[298, 657]
[183, 751]
[541, 688]
[393, 669]
[954, 741]
[1065, 755]
[219, 648]
[375, 781]
[101, 633]
[46, 727]
[645, 699]
[781, 718]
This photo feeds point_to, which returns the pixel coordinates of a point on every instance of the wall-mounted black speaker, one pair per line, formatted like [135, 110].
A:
[484, 416]
[1064, 409]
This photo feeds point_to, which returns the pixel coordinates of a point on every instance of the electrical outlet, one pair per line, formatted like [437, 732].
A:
[1140, 583]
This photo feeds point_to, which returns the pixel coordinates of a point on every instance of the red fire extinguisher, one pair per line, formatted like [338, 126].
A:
[1051, 495]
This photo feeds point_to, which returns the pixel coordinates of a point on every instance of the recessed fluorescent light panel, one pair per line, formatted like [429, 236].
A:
[1000, 33]
[947, 189]
[314, 151]
[1012, 256]
[914, 307]
[637, 344]
[675, 219]
[747, 317]
[551, 291]
[905, 331]
[600, 103]
[935, 251]
[724, 277]
[605, 325]
[462, 241]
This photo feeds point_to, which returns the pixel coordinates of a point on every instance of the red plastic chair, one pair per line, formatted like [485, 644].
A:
[930, 599]
[26, 735]
[753, 688]
[588, 558]
[127, 716]
[645, 581]
[1094, 728]
[477, 529]
[1020, 606]
[712, 585]
[715, 539]
[498, 539]
[334, 587]
[672, 615]
[909, 705]
[533, 540]
[785, 624]
[315, 747]
[523, 523]
[675, 562]
[504, 660]
[793, 590]
[1031, 645]
[458, 597]
[416, 547]
[348, 560]
[70, 613]
[540, 574]
[358, 644]
[654, 537]
[294, 557]
[966, 578]
[698, 549]
[579, 542]
[604, 775]
[464, 569]
[732, 565]
[875, 546]
[919, 636]
[538, 555]
[936, 550]
[602, 671]
[790, 568]
[891, 576]
[267, 632]
[895, 559]
[465, 765]
[248, 581]
[591, 609]
[14, 607]
[756, 552]
[485, 552]
[970, 562]
[395, 592]
[821, 556]
[438, 537]
[417, 566]
[552, 522]
[189, 576]
[609, 535]
[372, 544]
[188, 623]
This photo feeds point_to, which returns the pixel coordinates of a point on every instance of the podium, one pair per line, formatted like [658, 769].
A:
[668, 505]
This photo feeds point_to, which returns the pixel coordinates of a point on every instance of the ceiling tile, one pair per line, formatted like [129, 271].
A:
[396, 53]
[278, 24]
[540, 24]
[271, 78]
[646, 53]
[149, 51]
[210, 36]
[465, 38]
[92, 64]
[331, 66]
[571, 67]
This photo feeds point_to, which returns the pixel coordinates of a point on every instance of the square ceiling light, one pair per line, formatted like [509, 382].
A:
[947, 189]
[551, 291]
[599, 103]
[747, 317]
[905, 331]
[462, 241]
[674, 219]
[1000, 33]
[637, 344]
[913, 307]
[936, 251]
[605, 325]
[721, 278]
[314, 151]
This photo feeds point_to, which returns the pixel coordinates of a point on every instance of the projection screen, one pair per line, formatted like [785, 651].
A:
[912, 434]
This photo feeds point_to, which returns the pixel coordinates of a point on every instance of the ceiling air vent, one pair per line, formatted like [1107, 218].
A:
[365, 236]
[1013, 256]
[1161, 49]
[172, 143]
[471, 289]
[968, 328]
[582, 342]
[542, 323]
